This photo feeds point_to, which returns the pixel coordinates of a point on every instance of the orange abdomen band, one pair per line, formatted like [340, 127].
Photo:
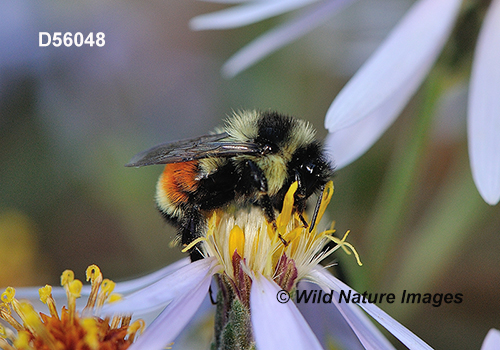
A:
[179, 180]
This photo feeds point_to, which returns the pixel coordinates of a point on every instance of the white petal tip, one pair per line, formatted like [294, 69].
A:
[492, 340]
[491, 199]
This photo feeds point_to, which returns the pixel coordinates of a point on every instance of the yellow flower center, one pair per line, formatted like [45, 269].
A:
[266, 249]
[71, 329]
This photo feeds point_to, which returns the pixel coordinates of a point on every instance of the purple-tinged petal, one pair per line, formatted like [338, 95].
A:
[239, 16]
[492, 340]
[327, 322]
[321, 276]
[348, 144]
[398, 67]
[228, 1]
[280, 36]
[365, 330]
[172, 286]
[484, 108]
[174, 318]
[276, 325]
[127, 287]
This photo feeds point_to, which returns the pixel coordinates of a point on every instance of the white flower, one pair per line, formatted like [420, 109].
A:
[378, 92]
[252, 11]
[375, 96]
[244, 249]
[492, 340]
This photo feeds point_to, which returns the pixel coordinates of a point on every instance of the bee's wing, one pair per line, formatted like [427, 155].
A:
[191, 149]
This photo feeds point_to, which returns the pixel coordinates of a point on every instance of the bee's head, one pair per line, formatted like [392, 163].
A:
[310, 168]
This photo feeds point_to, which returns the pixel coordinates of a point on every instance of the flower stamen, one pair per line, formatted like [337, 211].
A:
[72, 329]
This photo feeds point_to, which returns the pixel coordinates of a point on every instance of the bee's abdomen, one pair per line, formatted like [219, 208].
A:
[175, 187]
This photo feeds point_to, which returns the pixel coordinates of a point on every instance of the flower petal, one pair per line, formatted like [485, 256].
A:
[276, 325]
[127, 287]
[395, 71]
[239, 16]
[174, 318]
[321, 276]
[228, 1]
[160, 293]
[327, 322]
[365, 330]
[492, 340]
[348, 144]
[484, 108]
[280, 36]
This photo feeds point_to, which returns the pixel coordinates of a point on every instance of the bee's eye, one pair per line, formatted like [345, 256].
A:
[310, 167]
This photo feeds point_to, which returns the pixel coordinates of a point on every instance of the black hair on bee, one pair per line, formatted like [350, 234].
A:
[251, 160]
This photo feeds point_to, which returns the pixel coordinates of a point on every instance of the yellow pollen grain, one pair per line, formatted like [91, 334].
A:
[22, 341]
[46, 298]
[91, 333]
[93, 272]
[107, 287]
[44, 293]
[8, 295]
[33, 321]
[67, 277]
[75, 288]
[136, 328]
[113, 298]
[236, 241]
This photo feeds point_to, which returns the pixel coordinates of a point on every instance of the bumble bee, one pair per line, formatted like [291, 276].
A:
[252, 160]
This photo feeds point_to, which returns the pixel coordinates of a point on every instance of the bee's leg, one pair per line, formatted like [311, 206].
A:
[256, 181]
[316, 209]
[259, 182]
[300, 198]
[267, 207]
[191, 227]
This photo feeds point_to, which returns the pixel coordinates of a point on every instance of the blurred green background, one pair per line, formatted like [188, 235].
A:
[70, 118]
